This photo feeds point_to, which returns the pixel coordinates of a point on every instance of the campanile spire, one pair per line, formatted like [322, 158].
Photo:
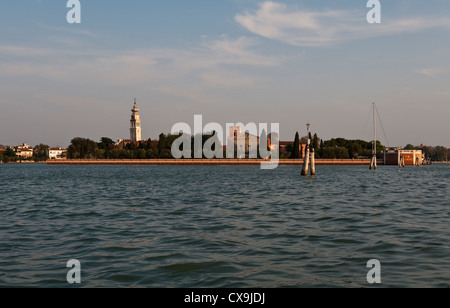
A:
[135, 127]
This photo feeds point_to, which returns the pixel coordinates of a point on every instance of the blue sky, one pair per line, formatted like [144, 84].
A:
[289, 62]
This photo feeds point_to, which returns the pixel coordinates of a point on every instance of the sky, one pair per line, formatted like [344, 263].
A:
[286, 62]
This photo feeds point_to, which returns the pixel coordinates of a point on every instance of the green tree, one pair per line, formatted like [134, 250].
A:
[316, 142]
[114, 153]
[41, 152]
[149, 145]
[10, 153]
[351, 151]
[152, 153]
[409, 147]
[441, 153]
[161, 144]
[104, 143]
[342, 153]
[99, 153]
[132, 147]
[81, 148]
[141, 154]
[296, 146]
[316, 145]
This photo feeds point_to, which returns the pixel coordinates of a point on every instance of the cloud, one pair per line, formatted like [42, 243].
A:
[192, 74]
[239, 52]
[298, 27]
[430, 72]
[27, 51]
[67, 30]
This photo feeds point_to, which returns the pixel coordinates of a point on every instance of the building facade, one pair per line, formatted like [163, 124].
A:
[23, 150]
[57, 153]
[409, 157]
[135, 124]
[284, 145]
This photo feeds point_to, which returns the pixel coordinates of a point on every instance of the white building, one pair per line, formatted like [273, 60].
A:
[23, 150]
[57, 153]
[135, 127]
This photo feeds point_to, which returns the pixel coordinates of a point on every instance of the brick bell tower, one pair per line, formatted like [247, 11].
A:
[135, 127]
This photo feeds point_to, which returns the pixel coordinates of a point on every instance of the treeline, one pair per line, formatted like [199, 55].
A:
[82, 148]
[437, 153]
[341, 148]
[336, 148]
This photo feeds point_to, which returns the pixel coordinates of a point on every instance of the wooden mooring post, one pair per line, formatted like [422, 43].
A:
[309, 163]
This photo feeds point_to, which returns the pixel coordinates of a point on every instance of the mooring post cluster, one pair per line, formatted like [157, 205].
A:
[401, 162]
[309, 160]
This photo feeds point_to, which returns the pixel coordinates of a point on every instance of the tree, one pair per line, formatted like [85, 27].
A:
[105, 143]
[410, 147]
[316, 145]
[141, 154]
[41, 152]
[296, 146]
[441, 153]
[342, 153]
[99, 153]
[81, 148]
[149, 145]
[10, 153]
[161, 143]
[316, 142]
[152, 153]
[114, 154]
[321, 149]
[351, 151]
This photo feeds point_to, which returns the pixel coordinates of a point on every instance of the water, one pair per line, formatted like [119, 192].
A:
[223, 226]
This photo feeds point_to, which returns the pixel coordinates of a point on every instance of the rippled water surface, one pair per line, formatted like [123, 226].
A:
[224, 226]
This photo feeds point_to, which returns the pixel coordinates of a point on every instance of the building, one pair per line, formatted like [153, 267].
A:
[122, 143]
[245, 143]
[57, 153]
[284, 145]
[393, 148]
[135, 127]
[23, 150]
[410, 157]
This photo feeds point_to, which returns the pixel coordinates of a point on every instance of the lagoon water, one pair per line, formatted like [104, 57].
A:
[224, 226]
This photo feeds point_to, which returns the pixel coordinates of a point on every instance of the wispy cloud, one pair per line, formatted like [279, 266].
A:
[240, 52]
[187, 72]
[301, 27]
[22, 50]
[67, 30]
[430, 72]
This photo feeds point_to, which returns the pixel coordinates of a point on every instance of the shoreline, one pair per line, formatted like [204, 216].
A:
[217, 162]
[206, 162]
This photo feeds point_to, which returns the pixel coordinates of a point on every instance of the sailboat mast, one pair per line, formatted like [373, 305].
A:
[373, 161]
[374, 148]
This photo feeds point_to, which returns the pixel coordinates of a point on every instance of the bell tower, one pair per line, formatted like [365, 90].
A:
[135, 127]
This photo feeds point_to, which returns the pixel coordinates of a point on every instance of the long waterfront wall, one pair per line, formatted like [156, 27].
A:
[319, 162]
